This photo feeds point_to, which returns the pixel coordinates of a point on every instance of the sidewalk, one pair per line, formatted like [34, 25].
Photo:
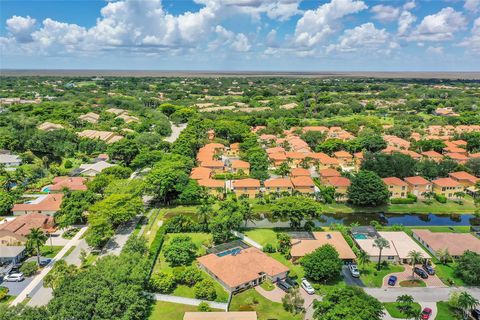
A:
[189, 301]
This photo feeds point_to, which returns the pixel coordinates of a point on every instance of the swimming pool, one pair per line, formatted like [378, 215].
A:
[360, 236]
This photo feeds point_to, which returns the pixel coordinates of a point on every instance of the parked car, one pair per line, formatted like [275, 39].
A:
[14, 277]
[307, 286]
[354, 270]
[421, 273]
[392, 280]
[476, 314]
[429, 269]
[426, 313]
[45, 262]
[291, 282]
[283, 285]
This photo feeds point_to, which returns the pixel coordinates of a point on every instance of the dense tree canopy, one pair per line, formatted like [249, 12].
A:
[367, 190]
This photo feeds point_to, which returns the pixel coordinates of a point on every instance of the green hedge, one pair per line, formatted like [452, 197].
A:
[156, 246]
[440, 198]
[402, 200]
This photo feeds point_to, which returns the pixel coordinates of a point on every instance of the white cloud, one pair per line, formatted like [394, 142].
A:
[472, 5]
[21, 28]
[385, 13]
[472, 43]
[406, 19]
[241, 43]
[440, 26]
[364, 38]
[226, 38]
[435, 50]
[315, 25]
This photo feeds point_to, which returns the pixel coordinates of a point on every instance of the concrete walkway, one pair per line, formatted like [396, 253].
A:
[115, 244]
[189, 301]
[38, 280]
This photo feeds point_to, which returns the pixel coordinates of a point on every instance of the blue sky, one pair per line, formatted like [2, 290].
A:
[286, 35]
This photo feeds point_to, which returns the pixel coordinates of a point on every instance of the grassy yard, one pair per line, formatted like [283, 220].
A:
[153, 224]
[445, 312]
[392, 309]
[263, 236]
[267, 285]
[171, 311]
[446, 274]
[296, 270]
[50, 251]
[373, 278]
[7, 299]
[251, 300]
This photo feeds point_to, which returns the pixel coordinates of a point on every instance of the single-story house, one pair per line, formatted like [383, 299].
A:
[106, 136]
[15, 231]
[455, 243]
[90, 117]
[302, 247]
[49, 126]
[92, 169]
[232, 315]
[9, 254]
[45, 204]
[240, 269]
[71, 183]
[10, 160]
[398, 252]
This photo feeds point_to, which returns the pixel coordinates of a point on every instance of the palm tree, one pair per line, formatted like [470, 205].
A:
[443, 255]
[459, 195]
[362, 258]
[415, 257]
[36, 239]
[405, 305]
[203, 214]
[247, 212]
[380, 243]
[466, 302]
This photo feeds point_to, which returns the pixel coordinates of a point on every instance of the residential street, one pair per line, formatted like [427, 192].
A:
[419, 294]
[176, 130]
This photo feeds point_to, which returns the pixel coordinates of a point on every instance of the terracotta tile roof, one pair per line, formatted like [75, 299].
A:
[456, 243]
[50, 202]
[212, 164]
[302, 247]
[280, 156]
[394, 181]
[456, 156]
[302, 182]
[390, 149]
[342, 154]
[22, 225]
[275, 150]
[266, 137]
[200, 173]
[231, 315]
[417, 181]
[459, 143]
[72, 183]
[211, 183]
[318, 155]
[239, 164]
[235, 146]
[446, 182]
[462, 175]
[329, 172]
[315, 128]
[411, 153]
[432, 154]
[474, 155]
[243, 267]
[454, 150]
[294, 155]
[278, 182]
[246, 183]
[338, 182]
[358, 155]
[213, 146]
[298, 172]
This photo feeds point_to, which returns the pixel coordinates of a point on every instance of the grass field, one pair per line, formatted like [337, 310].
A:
[373, 278]
[446, 274]
[445, 312]
[251, 300]
[50, 251]
[392, 309]
[263, 236]
[171, 311]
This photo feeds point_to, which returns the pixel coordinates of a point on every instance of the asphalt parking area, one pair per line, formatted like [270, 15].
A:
[15, 288]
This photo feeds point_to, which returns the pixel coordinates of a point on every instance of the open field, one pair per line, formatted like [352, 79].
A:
[171, 311]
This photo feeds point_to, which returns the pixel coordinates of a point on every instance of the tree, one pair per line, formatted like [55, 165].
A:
[35, 240]
[192, 193]
[29, 268]
[473, 165]
[124, 150]
[459, 195]
[7, 200]
[293, 301]
[389, 165]
[443, 255]
[323, 264]
[348, 303]
[59, 273]
[468, 268]
[162, 282]
[180, 251]
[188, 275]
[415, 257]
[367, 190]
[296, 209]
[204, 211]
[466, 302]
[284, 244]
[380, 243]
[283, 170]
[73, 207]
[226, 219]
[204, 307]
[205, 289]
[405, 304]
[246, 211]
[371, 141]
[362, 257]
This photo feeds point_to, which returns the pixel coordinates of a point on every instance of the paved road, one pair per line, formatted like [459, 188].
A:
[189, 301]
[116, 243]
[176, 130]
[39, 278]
[419, 294]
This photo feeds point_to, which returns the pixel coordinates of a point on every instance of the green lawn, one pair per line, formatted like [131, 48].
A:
[69, 251]
[267, 285]
[296, 270]
[186, 291]
[446, 274]
[413, 283]
[171, 311]
[263, 236]
[373, 278]
[48, 251]
[392, 309]
[445, 312]
[251, 300]
[153, 224]
[7, 299]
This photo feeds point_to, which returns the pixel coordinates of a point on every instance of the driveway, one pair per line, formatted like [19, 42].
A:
[15, 288]
[116, 243]
[431, 281]
[176, 130]
[349, 280]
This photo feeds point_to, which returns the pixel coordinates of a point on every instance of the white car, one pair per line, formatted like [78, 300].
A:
[307, 286]
[14, 277]
[354, 270]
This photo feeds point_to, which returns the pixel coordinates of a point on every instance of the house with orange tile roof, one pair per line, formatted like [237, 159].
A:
[303, 184]
[249, 188]
[268, 137]
[432, 155]
[396, 142]
[200, 173]
[357, 159]
[454, 149]
[234, 150]
[328, 173]
[302, 247]
[275, 150]
[474, 155]
[294, 158]
[418, 186]
[397, 187]
[277, 158]
[214, 187]
[345, 159]
[341, 185]
[323, 161]
[457, 157]
[71, 183]
[239, 166]
[243, 268]
[447, 187]
[459, 143]
[299, 172]
[278, 185]
[445, 112]
[217, 166]
[464, 178]
[411, 153]
[15, 232]
[455, 243]
[45, 204]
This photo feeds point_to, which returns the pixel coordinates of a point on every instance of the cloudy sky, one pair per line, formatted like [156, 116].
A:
[287, 35]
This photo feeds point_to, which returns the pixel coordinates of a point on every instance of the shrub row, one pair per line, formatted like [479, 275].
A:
[155, 248]
[402, 200]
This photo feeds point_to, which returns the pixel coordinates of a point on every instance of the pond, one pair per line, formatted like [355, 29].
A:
[386, 219]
